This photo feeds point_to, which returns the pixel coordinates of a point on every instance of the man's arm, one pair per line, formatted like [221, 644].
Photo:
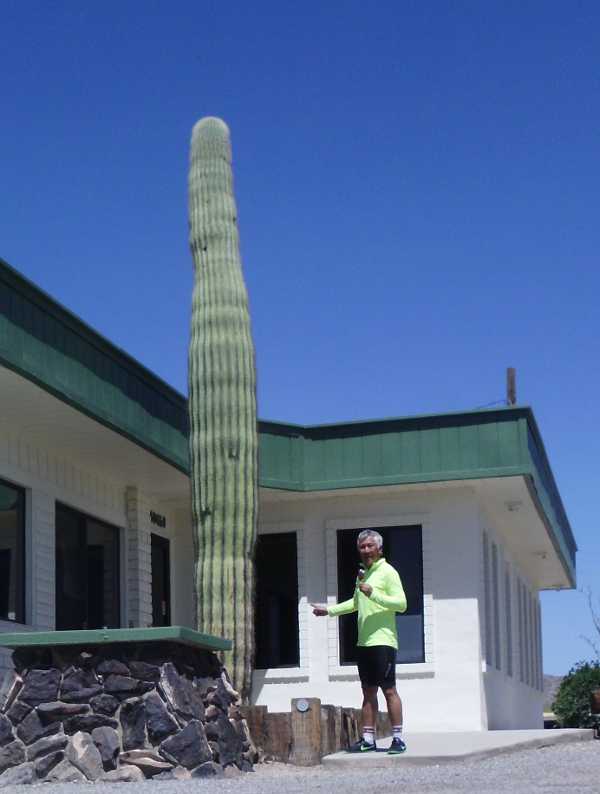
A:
[345, 608]
[392, 596]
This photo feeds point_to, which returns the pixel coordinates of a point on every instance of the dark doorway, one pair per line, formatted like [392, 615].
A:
[87, 572]
[161, 581]
[276, 626]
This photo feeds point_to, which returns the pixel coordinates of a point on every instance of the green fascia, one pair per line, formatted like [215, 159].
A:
[178, 634]
[50, 346]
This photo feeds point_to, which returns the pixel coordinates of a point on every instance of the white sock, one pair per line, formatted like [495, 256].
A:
[396, 731]
[369, 735]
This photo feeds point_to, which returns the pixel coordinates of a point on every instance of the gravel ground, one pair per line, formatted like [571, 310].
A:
[572, 768]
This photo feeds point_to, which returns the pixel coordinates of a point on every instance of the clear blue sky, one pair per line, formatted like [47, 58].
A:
[417, 185]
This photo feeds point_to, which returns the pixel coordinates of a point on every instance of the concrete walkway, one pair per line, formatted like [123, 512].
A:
[439, 748]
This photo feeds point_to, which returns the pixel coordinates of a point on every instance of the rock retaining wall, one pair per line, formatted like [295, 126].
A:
[120, 712]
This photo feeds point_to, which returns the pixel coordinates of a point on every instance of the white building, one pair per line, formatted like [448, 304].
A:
[95, 526]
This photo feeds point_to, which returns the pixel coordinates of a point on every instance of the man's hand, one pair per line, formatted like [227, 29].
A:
[365, 588]
[320, 612]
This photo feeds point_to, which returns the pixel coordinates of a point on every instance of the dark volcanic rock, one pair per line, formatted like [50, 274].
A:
[11, 686]
[144, 671]
[50, 712]
[205, 685]
[85, 660]
[223, 696]
[47, 762]
[112, 667]
[231, 744]
[12, 754]
[6, 730]
[176, 773]
[104, 704]
[189, 747]
[65, 772]
[124, 686]
[75, 680]
[208, 769]
[133, 722]
[83, 754]
[40, 686]
[149, 762]
[87, 723]
[107, 742]
[18, 711]
[48, 745]
[82, 695]
[159, 722]
[32, 728]
[124, 774]
[18, 776]
[180, 693]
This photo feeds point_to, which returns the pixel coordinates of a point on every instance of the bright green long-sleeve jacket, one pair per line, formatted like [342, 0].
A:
[377, 612]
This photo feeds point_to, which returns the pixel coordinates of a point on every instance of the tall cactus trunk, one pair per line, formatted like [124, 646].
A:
[222, 406]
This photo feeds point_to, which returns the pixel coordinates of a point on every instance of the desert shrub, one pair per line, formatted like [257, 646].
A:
[572, 702]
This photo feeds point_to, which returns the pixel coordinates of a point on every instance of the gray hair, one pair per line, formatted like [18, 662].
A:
[370, 533]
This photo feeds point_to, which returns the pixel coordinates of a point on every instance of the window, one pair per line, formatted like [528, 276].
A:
[487, 599]
[87, 572]
[508, 609]
[402, 548]
[12, 553]
[495, 586]
[521, 633]
[276, 624]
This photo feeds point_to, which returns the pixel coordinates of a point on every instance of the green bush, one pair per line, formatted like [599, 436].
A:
[572, 702]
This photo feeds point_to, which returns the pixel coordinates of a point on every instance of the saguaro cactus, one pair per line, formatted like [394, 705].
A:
[222, 406]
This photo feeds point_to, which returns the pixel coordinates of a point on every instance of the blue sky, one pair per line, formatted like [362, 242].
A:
[417, 186]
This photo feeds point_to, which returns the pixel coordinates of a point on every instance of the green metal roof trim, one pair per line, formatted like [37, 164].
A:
[180, 634]
[44, 342]
[49, 345]
[501, 442]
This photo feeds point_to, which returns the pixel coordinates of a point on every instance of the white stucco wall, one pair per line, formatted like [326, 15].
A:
[512, 669]
[453, 689]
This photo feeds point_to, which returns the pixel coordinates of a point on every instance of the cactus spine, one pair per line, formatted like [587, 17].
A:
[222, 406]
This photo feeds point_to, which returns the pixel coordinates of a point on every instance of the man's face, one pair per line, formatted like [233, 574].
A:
[368, 551]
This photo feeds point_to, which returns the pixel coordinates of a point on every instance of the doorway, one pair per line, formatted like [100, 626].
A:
[161, 581]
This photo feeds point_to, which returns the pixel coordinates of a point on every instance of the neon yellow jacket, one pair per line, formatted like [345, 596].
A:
[377, 612]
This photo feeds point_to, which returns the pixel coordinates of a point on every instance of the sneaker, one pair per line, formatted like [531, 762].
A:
[362, 747]
[396, 747]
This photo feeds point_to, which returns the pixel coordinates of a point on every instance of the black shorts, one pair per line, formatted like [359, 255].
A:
[377, 665]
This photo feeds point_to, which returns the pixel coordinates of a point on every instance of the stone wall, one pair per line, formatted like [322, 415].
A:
[126, 712]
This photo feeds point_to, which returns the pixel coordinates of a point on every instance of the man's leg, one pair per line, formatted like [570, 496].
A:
[369, 706]
[394, 705]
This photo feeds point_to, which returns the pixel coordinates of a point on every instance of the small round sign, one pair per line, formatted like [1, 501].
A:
[302, 705]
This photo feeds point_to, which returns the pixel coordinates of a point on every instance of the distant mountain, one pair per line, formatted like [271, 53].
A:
[551, 684]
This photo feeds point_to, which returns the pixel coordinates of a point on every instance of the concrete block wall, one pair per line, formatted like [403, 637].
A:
[444, 692]
[512, 670]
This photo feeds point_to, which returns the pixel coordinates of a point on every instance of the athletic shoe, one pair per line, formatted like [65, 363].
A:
[396, 747]
[362, 747]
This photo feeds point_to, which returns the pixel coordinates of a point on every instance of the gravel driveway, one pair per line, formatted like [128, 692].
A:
[572, 769]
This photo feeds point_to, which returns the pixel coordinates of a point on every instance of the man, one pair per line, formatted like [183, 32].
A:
[378, 596]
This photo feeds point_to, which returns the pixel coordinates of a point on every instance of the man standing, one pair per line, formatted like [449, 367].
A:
[378, 596]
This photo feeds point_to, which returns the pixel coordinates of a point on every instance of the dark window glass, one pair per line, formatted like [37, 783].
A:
[87, 572]
[277, 601]
[161, 575]
[402, 548]
[12, 553]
